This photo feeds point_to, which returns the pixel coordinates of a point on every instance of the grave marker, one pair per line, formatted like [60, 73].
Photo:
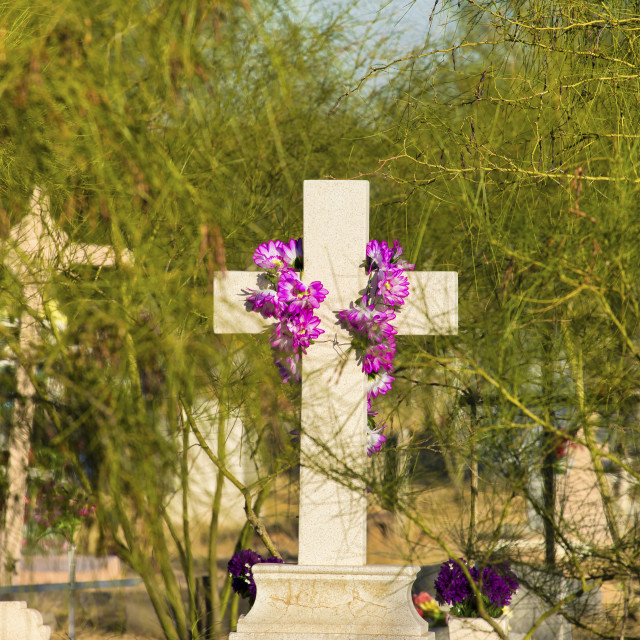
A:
[17, 622]
[580, 510]
[36, 247]
[331, 592]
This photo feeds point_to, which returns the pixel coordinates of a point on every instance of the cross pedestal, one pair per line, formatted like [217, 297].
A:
[331, 594]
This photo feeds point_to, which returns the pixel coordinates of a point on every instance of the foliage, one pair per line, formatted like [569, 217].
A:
[514, 159]
[182, 132]
[178, 134]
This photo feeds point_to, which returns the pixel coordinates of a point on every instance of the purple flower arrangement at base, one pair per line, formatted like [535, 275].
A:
[241, 569]
[497, 584]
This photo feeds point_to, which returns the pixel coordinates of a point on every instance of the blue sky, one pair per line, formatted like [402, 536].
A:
[384, 29]
[405, 21]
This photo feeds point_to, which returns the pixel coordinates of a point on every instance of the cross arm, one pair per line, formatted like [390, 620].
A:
[229, 312]
[93, 254]
[431, 308]
[432, 305]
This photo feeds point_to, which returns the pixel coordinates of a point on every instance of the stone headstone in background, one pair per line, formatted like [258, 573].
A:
[19, 623]
[37, 248]
[525, 611]
[203, 473]
[580, 510]
[539, 592]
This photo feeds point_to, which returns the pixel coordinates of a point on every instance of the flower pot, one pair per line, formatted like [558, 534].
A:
[474, 628]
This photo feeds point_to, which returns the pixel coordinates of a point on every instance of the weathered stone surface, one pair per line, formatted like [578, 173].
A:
[19, 623]
[327, 603]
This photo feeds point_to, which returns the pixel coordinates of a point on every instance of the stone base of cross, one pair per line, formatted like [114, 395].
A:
[331, 593]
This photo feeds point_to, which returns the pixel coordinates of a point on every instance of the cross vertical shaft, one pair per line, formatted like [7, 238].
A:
[332, 527]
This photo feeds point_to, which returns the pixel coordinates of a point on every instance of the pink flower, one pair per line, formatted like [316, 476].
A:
[265, 302]
[423, 596]
[378, 256]
[271, 255]
[379, 356]
[296, 332]
[299, 296]
[292, 252]
[378, 383]
[364, 317]
[375, 439]
[358, 315]
[393, 286]
[276, 254]
[397, 260]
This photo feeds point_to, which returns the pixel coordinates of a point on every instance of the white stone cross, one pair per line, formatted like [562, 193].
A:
[333, 510]
[36, 248]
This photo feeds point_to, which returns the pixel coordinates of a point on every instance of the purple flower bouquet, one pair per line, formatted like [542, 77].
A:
[497, 585]
[240, 567]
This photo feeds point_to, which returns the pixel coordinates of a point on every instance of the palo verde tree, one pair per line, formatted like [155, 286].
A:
[515, 162]
[178, 135]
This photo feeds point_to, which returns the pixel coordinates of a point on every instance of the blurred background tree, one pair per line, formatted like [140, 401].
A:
[178, 135]
[514, 153]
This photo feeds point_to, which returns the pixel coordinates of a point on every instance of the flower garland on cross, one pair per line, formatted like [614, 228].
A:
[291, 304]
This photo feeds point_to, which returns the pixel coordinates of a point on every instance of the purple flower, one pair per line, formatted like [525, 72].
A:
[379, 356]
[375, 439]
[379, 329]
[393, 286]
[242, 561]
[397, 260]
[241, 569]
[452, 586]
[289, 366]
[364, 317]
[265, 302]
[358, 315]
[292, 252]
[378, 256]
[296, 332]
[378, 383]
[271, 255]
[299, 296]
[499, 584]
[370, 412]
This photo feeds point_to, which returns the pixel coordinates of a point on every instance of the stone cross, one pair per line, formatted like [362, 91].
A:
[36, 248]
[17, 622]
[333, 509]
